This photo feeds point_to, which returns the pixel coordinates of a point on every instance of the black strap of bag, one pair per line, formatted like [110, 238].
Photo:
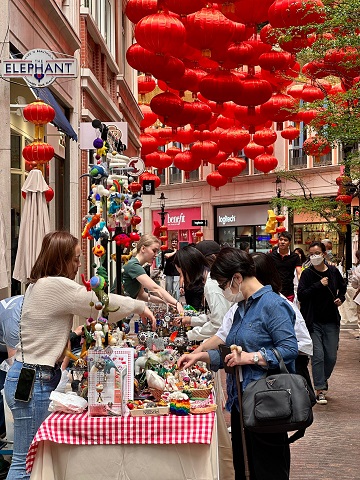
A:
[299, 433]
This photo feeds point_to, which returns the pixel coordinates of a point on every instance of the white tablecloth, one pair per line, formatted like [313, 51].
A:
[56, 461]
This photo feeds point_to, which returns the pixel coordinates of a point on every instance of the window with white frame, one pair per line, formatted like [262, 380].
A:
[103, 12]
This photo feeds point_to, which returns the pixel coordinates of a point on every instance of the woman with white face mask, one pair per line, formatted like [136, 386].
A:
[261, 321]
[321, 291]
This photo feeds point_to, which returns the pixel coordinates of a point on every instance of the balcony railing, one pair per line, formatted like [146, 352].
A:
[297, 159]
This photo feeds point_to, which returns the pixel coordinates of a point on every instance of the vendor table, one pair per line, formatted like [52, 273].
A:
[79, 447]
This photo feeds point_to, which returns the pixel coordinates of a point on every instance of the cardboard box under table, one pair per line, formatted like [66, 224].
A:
[80, 447]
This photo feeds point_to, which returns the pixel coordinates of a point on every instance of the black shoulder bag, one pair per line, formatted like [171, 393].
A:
[278, 403]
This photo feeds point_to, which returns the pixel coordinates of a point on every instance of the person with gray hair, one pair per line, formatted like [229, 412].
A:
[328, 247]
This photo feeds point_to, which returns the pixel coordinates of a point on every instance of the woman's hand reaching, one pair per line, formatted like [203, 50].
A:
[189, 359]
[147, 314]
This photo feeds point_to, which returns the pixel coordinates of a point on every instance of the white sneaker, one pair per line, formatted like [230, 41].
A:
[320, 399]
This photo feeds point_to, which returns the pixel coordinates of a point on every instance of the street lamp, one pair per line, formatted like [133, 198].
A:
[162, 214]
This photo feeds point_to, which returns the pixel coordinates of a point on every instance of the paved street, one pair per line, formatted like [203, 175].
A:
[331, 446]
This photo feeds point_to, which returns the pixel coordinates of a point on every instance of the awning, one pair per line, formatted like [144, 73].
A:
[60, 121]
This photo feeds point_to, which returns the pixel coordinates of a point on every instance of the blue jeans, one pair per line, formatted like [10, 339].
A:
[28, 416]
[172, 286]
[325, 339]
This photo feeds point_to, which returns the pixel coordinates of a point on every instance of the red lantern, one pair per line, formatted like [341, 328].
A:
[232, 167]
[343, 180]
[290, 13]
[204, 150]
[135, 220]
[344, 219]
[137, 204]
[208, 28]
[150, 159]
[49, 194]
[137, 9]
[295, 91]
[265, 163]
[185, 7]
[346, 199]
[166, 67]
[215, 179]
[280, 218]
[139, 58]
[134, 187]
[316, 146]
[290, 133]
[166, 104]
[280, 229]
[279, 108]
[160, 33]
[164, 247]
[39, 113]
[148, 143]
[39, 152]
[188, 81]
[253, 150]
[265, 137]
[185, 136]
[134, 236]
[219, 158]
[219, 86]
[274, 61]
[146, 84]
[240, 53]
[164, 161]
[253, 12]
[310, 93]
[172, 151]
[234, 139]
[149, 176]
[185, 161]
[149, 116]
[253, 91]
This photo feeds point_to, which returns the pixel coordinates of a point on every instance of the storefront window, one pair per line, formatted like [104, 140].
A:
[15, 227]
[15, 151]
[305, 233]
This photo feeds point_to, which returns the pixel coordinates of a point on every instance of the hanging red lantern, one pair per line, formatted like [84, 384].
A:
[135, 220]
[215, 179]
[140, 58]
[135, 10]
[146, 84]
[250, 119]
[265, 137]
[134, 187]
[315, 69]
[346, 199]
[310, 93]
[164, 161]
[279, 108]
[308, 116]
[150, 159]
[252, 13]
[293, 13]
[187, 162]
[39, 152]
[49, 194]
[316, 146]
[172, 151]
[296, 42]
[149, 116]
[253, 150]
[232, 167]
[202, 113]
[219, 158]
[204, 149]
[188, 81]
[137, 204]
[166, 104]
[166, 68]
[185, 7]
[160, 33]
[208, 28]
[274, 61]
[344, 219]
[290, 133]
[295, 91]
[233, 139]
[134, 236]
[148, 143]
[252, 91]
[149, 176]
[240, 53]
[219, 86]
[265, 163]
[343, 180]
[39, 113]
[185, 135]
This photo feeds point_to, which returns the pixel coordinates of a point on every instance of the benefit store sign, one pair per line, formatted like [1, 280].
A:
[39, 68]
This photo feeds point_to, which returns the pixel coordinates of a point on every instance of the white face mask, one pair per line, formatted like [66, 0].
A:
[316, 259]
[233, 297]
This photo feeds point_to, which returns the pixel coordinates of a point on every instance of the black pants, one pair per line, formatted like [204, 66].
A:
[301, 368]
[268, 453]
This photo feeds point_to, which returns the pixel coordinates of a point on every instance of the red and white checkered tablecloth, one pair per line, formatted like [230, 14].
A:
[80, 429]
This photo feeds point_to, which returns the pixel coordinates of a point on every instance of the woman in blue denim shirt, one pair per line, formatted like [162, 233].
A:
[261, 322]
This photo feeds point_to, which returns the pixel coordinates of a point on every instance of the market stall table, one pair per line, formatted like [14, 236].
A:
[79, 447]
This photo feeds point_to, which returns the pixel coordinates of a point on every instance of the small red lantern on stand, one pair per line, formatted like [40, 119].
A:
[344, 219]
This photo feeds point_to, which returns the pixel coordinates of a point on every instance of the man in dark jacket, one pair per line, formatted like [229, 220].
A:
[171, 274]
[287, 263]
[320, 292]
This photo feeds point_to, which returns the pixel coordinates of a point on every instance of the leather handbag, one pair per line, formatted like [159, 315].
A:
[278, 403]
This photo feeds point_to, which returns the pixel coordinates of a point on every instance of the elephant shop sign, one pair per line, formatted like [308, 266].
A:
[39, 68]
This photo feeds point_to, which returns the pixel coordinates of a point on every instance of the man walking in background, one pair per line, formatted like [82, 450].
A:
[288, 264]
[171, 274]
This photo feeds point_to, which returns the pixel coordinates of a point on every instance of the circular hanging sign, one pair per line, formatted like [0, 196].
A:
[138, 166]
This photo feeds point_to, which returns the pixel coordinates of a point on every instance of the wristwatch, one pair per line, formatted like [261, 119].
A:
[256, 358]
